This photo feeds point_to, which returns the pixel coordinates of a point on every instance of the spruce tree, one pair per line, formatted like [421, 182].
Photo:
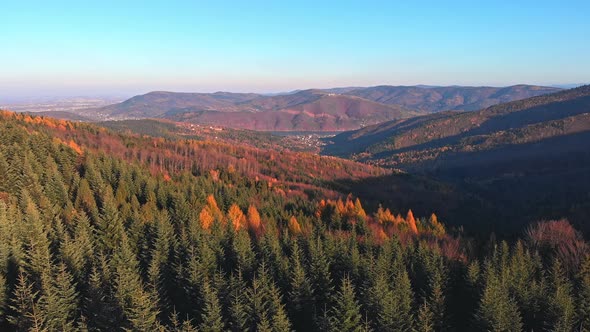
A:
[345, 315]
[238, 305]
[562, 307]
[320, 276]
[497, 309]
[584, 297]
[27, 315]
[425, 319]
[278, 315]
[390, 302]
[211, 317]
[60, 303]
[300, 297]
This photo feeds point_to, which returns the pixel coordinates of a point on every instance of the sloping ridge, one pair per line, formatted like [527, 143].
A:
[437, 99]
[308, 110]
[522, 117]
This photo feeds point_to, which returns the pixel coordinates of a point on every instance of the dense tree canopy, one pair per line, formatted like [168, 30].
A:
[94, 240]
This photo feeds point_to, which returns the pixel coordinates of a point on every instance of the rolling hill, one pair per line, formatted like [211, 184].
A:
[308, 110]
[155, 104]
[337, 109]
[437, 99]
[303, 111]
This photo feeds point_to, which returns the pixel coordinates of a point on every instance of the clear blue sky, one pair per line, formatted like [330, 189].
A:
[128, 47]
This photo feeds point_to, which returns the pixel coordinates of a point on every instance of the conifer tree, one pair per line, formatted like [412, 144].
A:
[345, 315]
[110, 228]
[85, 199]
[258, 302]
[278, 315]
[238, 304]
[205, 218]
[2, 295]
[27, 314]
[211, 317]
[137, 304]
[60, 303]
[389, 298]
[78, 252]
[562, 307]
[254, 222]
[321, 279]
[99, 305]
[301, 292]
[497, 309]
[411, 221]
[236, 217]
[293, 225]
[436, 298]
[584, 297]
[425, 320]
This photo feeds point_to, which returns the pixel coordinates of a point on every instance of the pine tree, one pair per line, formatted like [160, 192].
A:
[110, 227]
[3, 287]
[27, 315]
[278, 316]
[211, 317]
[584, 297]
[320, 276]
[60, 301]
[497, 309]
[562, 307]
[425, 320]
[345, 315]
[238, 304]
[258, 304]
[436, 298]
[78, 252]
[242, 254]
[138, 306]
[394, 309]
[85, 199]
[301, 293]
[99, 305]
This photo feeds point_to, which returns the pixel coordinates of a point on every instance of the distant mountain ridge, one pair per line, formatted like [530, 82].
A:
[410, 142]
[307, 110]
[336, 109]
[434, 99]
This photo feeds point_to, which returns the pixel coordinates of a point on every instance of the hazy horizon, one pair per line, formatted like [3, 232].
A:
[15, 99]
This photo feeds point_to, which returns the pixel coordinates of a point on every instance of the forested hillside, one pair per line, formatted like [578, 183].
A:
[102, 231]
[525, 160]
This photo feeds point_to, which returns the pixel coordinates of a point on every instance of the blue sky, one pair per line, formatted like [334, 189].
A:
[129, 47]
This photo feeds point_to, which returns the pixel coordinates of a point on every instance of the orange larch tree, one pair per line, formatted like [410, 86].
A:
[294, 226]
[411, 222]
[236, 216]
[253, 218]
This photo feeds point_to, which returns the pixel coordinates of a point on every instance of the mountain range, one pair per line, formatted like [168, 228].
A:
[337, 109]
